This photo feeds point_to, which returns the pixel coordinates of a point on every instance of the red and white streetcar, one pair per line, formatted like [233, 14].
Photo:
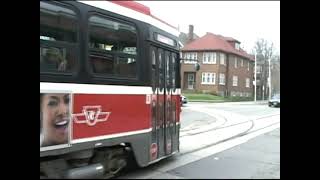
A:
[109, 88]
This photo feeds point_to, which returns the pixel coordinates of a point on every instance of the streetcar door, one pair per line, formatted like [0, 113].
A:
[168, 103]
[163, 104]
[161, 124]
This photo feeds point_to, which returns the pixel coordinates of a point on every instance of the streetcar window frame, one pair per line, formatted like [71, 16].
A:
[74, 47]
[114, 56]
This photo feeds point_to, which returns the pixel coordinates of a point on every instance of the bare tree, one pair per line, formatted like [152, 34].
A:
[275, 74]
[265, 51]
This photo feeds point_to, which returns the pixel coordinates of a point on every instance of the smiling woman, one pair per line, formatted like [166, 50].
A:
[54, 119]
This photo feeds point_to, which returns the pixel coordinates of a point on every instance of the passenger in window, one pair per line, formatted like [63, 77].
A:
[115, 48]
[54, 119]
[53, 61]
[102, 64]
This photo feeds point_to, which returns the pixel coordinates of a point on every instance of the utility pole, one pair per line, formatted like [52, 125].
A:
[255, 76]
[269, 78]
[263, 92]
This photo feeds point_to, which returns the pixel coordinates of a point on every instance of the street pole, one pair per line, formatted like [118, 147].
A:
[255, 76]
[269, 78]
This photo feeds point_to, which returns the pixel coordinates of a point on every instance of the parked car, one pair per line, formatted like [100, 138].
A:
[183, 99]
[274, 101]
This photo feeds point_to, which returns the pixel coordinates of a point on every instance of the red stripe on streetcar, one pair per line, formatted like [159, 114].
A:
[117, 114]
[134, 6]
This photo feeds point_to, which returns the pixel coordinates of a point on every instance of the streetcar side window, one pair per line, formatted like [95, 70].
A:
[112, 47]
[58, 38]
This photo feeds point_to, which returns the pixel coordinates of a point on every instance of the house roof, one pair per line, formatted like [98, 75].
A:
[230, 39]
[215, 42]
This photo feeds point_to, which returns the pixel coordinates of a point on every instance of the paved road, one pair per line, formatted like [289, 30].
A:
[191, 117]
[180, 165]
[258, 158]
[246, 109]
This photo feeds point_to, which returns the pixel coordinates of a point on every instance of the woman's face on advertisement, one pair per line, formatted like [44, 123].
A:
[55, 113]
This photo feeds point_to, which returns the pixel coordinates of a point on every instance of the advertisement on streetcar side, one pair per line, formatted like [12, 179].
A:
[55, 119]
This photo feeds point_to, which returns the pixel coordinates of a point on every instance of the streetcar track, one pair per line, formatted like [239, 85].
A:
[247, 132]
[225, 121]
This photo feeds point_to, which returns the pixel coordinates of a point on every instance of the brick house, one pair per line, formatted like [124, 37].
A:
[225, 69]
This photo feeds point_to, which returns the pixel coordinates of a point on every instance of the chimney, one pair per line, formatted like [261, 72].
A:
[190, 35]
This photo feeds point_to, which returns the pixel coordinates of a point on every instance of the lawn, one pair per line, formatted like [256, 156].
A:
[210, 97]
[196, 96]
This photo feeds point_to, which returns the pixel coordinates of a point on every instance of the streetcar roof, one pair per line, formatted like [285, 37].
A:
[134, 10]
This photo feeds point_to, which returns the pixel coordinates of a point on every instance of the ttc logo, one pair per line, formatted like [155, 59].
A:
[91, 115]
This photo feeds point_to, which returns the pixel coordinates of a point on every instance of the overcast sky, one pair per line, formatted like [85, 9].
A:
[245, 21]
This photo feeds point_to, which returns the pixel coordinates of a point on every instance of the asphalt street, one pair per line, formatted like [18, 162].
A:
[257, 158]
[254, 155]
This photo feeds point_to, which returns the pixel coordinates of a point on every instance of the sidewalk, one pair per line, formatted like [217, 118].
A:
[258, 158]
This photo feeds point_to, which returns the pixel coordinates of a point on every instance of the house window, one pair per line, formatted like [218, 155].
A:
[247, 82]
[241, 62]
[259, 68]
[214, 60]
[205, 58]
[209, 58]
[235, 81]
[194, 56]
[237, 46]
[190, 58]
[221, 79]
[222, 58]
[248, 66]
[208, 78]
[235, 62]
[203, 78]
